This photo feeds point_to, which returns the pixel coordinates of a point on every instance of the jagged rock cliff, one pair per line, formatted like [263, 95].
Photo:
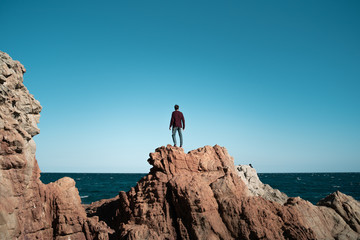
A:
[30, 209]
[200, 195]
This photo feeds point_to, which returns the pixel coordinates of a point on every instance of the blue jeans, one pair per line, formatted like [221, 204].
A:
[174, 129]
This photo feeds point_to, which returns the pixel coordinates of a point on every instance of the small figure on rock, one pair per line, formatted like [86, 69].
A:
[177, 123]
[250, 165]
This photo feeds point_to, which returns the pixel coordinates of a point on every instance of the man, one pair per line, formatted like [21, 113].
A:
[177, 123]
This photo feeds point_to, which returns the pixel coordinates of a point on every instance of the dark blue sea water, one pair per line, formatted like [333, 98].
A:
[310, 186]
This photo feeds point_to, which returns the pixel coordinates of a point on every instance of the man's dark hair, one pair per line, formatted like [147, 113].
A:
[176, 107]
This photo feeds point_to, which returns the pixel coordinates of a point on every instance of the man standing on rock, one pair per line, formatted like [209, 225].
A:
[177, 123]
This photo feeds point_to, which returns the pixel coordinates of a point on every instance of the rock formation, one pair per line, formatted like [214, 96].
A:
[346, 206]
[200, 195]
[257, 188]
[30, 209]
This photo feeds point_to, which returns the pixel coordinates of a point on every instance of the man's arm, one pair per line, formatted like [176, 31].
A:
[183, 120]
[171, 121]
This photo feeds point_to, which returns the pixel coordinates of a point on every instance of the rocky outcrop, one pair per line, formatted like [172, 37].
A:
[346, 206]
[257, 188]
[199, 195]
[30, 209]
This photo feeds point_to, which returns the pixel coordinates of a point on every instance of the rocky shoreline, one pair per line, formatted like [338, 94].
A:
[195, 195]
[30, 209]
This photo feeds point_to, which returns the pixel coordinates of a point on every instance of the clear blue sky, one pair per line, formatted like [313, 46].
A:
[275, 82]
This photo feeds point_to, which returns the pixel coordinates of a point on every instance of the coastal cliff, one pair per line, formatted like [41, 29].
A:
[30, 209]
[194, 195]
[201, 195]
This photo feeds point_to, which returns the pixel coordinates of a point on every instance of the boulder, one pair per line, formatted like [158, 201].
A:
[249, 176]
[346, 206]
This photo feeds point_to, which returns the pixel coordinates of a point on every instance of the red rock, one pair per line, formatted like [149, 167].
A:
[30, 209]
[197, 195]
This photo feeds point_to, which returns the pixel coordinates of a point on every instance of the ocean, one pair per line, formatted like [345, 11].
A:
[309, 186]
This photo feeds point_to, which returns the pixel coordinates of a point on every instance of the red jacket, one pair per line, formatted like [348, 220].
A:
[176, 119]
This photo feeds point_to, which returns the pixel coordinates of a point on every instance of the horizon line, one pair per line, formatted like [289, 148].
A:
[148, 173]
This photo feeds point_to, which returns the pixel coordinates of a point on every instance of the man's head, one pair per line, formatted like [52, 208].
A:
[176, 107]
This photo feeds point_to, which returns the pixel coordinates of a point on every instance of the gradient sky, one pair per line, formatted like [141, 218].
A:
[275, 82]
